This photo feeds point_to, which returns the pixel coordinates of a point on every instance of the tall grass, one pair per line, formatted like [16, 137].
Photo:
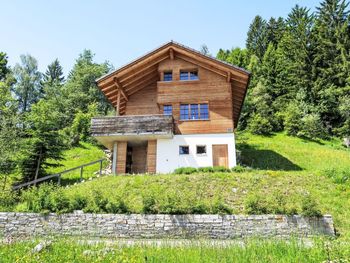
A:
[69, 250]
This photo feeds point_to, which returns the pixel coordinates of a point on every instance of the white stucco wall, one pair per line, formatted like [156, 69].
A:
[168, 157]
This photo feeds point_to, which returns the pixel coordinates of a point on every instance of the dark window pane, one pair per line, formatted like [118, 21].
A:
[167, 109]
[168, 76]
[184, 150]
[204, 112]
[194, 75]
[184, 75]
[184, 112]
[194, 112]
[201, 149]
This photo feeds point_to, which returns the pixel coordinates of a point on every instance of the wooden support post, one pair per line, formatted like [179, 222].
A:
[117, 112]
[81, 173]
[100, 173]
[114, 160]
[59, 179]
[171, 54]
[228, 77]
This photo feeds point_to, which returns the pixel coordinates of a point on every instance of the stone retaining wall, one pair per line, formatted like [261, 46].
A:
[162, 226]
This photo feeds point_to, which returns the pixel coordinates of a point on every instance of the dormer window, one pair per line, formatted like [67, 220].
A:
[188, 75]
[168, 76]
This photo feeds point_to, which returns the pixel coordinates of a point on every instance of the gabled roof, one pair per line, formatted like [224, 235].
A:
[143, 71]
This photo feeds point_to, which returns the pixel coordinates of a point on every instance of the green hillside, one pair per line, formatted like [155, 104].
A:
[289, 175]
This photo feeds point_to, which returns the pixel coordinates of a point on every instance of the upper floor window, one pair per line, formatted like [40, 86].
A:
[168, 76]
[168, 110]
[189, 75]
[194, 111]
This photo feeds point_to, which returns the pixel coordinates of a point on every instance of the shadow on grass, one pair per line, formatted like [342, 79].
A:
[265, 159]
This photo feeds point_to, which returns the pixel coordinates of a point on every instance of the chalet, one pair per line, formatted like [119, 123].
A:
[175, 107]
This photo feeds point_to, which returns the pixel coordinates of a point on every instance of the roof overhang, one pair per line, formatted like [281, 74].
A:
[143, 72]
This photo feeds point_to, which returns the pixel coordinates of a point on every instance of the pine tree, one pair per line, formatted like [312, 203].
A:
[3, 66]
[275, 30]
[54, 73]
[257, 42]
[331, 57]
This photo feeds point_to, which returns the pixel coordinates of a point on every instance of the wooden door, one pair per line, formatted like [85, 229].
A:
[220, 155]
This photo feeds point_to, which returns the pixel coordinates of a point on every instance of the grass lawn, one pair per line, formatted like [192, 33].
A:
[69, 250]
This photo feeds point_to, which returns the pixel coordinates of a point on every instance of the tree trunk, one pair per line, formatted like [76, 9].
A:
[38, 165]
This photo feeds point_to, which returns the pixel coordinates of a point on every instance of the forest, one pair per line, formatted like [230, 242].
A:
[300, 84]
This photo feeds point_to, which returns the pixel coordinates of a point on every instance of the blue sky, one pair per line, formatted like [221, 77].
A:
[119, 31]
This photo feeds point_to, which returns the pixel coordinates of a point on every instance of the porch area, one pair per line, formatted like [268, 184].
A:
[133, 140]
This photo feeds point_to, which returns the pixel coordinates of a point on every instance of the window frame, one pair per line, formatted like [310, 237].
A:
[189, 112]
[188, 147]
[167, 72]
[205, 148]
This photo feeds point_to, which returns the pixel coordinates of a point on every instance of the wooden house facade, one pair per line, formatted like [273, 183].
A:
[175, 107]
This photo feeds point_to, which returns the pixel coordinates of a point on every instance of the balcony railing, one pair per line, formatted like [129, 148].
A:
[132, 125]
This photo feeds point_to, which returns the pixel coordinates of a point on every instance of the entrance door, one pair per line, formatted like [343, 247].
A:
[220, 155]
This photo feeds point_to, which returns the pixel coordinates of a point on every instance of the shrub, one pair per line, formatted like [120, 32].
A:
[59, 202]
[79, 202]
[221, 169]
[238, 169]
[255, 205]
[149, 205]
[309, 207]
[260, 125]
[116, 207]
[220, 207]
[199, 209]
[38, 199]
[208, 169]
[8, 200]
[185, 170]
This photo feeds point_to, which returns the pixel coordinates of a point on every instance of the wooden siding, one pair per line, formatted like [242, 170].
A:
[143, 102]
[121, 157]
[211, 88]
[151, 156]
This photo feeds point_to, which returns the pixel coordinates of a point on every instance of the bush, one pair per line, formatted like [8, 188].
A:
[255, 205]
[260, 125]
[199, 209]
[221, 169]
[149, 205]
[309, 207]
[238, 169]
[38, 199]
[79, 202]
[185, 170]
[8, 200]
[220, 207]
[208, 169]
[59, 203]
[117, 207]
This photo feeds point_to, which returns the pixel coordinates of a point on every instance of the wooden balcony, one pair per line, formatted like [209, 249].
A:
[131, 127]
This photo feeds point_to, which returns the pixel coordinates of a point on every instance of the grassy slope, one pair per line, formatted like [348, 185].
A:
[83, 154]
[284, 166]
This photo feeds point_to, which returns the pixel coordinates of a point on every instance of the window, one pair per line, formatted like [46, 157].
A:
[194, 111]
[184, 150]
[189, 75]
[184, 111]
[168, 110]
[168, 76]
[201, 149]
[204, 112]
